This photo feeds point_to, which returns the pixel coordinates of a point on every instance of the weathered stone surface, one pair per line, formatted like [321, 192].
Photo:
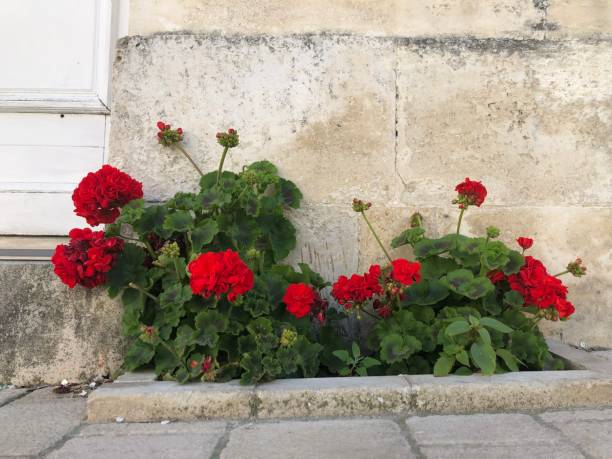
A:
[49, 332]
[538, 451]
[136, 428]
[591, 430]
[578, 18]
[163, 400]
[529, 118]
[383, 17]
[577, 359]
[179, 446]
[354, 439]
[330, 142]
[8, 395]
[32, 424]
[511, 391]
[333, 397]
[327, 237]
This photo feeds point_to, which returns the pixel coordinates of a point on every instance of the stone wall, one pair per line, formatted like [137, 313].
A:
[49, 332]
[393, 101]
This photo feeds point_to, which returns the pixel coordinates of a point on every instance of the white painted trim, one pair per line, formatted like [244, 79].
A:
[92, 100]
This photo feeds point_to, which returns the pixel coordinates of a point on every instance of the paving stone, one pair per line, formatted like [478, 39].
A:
[333, 397]
[480, 429]
[8, 395]
[337, 439]
[180, 446]
[502, 452]
[595, 438]
[577, 415]
[31, 425]
[150, 428]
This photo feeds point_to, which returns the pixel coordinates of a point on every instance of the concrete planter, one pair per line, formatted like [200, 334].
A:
[139, 398]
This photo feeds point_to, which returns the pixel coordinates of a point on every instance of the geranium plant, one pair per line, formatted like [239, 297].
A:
[468, 304]
[206, 295]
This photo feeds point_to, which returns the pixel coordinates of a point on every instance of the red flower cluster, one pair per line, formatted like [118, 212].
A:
[406, 272]
[299, 299]
[101, 194]
[540, 288]
[357, 289]
[220, 272]
[87, 258]
[524, 242]
[496, 276]
[470, 192]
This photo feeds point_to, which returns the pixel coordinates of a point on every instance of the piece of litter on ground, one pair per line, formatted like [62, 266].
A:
[92, 384]
[119, 419]
[163, 423]
[83, 393]
[64, 382]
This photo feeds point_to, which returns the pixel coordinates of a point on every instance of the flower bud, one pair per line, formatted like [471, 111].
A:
[288, 337]
[576, 268]
[492, 232]
[416, 220]
[361, 206]
[171, 250]
[168, 136]
[229, 139]
[253, 254]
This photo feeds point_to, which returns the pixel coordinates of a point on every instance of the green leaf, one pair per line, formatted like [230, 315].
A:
[280, 233]
[463, 371]
[178, 221]
[133, 307]
[463, 357]
[427, 247]
[138, 354]
[426, 292]
[176, 294]
[484, 335]
[443, 365]
[312, 277]
[369, 362]
[203, 234]
[395, 347]
[463, 282]
[356, 350]
[127, 268]
[436, 267]
[483, 356]
[342, 355]
[410, 236]
[509, 359]
[151, 220]
[290, 193]
[361, 371]
[514, 298]
[495, 325]
[514, 264]
[491, 304]
[458, 327]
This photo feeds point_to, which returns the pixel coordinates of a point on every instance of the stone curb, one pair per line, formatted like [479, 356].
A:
[137, 397]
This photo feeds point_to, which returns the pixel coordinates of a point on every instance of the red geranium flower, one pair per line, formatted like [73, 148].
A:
[87, 258]
[101, 194]
[220, 272]
[470, 192]
[406, 272]
[496, 276]
[168, 136]
[525, 242]
[540, 288]
[299, 299]
[357, 289]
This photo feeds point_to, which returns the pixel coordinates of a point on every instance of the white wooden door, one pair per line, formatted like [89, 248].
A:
[54, 80]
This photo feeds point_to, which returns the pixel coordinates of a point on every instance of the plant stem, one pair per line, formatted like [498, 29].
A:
[225, 150]
[459, 227]
[146, 245]
[150, 249]
[376, 237]
[182, 150]
[143, 291]
[561, 273]
[371, 315]
[535, 323]
[176, 268]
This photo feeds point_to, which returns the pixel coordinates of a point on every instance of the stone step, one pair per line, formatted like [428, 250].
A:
[139, 398]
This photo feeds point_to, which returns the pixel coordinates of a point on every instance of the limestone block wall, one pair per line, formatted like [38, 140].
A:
[393, 101]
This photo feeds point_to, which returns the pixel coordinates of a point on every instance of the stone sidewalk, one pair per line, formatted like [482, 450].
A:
[43, 424]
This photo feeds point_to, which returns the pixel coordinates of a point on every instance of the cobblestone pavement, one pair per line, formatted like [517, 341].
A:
[42, 424]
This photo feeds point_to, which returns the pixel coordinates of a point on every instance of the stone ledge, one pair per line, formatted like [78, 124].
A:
[137, 397]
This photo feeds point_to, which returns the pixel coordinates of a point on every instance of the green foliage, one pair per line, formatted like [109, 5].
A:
[354, 362]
